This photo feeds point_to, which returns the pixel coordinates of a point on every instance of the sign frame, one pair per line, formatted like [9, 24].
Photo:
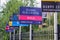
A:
[30, 12]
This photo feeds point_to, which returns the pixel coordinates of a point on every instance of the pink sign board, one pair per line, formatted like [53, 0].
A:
[26, 17]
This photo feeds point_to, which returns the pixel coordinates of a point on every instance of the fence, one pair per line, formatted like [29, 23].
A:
[36, 36]
[39, 36]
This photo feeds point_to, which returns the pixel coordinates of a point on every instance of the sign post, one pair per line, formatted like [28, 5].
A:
[20, 33]
[10, 35]
[14, 35]
[30, 31]
[55, 26]
[53, 6]
[30, 15]
[17, 24]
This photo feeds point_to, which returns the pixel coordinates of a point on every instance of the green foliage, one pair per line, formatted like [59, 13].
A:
[11, 7]
[35, 27]
[52, 20]
[25, 29]
[32, 1]
[58, 17]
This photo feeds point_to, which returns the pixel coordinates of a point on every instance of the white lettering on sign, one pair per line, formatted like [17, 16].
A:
[26, 22]
[57, 6]
[31, 18]
[30, 12]
[48, 6]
